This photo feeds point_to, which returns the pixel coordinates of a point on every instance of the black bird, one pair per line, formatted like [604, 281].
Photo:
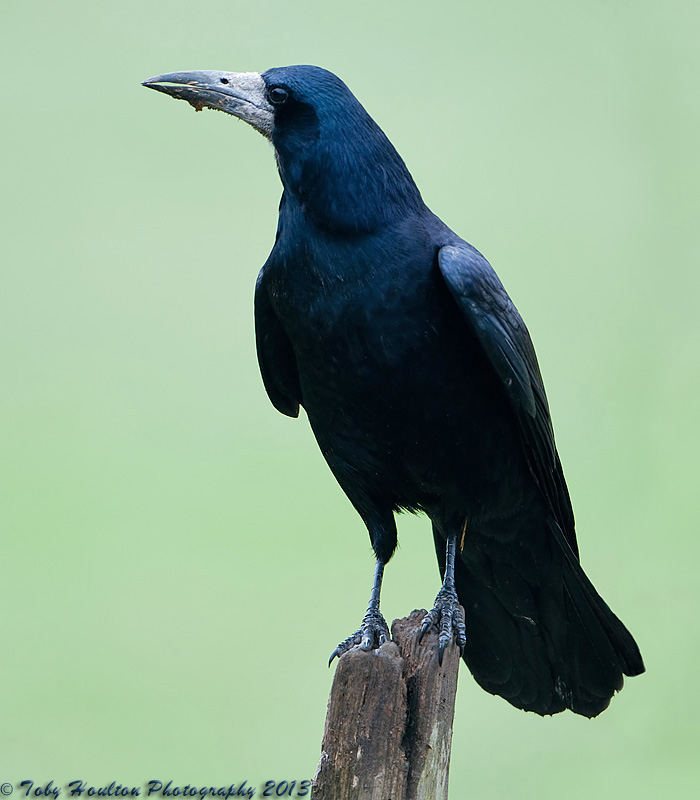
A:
[422, 388]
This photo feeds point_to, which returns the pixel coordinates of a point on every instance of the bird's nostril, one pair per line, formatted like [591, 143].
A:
[223, 80]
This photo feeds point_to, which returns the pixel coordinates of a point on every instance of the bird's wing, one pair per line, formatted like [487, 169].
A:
[505, 339]
[278, 365]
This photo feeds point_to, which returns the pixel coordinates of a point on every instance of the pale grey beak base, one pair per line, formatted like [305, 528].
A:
[241, 94]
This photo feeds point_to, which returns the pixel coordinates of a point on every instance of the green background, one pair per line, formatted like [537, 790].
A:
[177, 561]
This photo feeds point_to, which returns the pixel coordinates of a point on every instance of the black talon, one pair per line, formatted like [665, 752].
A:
[429, 621]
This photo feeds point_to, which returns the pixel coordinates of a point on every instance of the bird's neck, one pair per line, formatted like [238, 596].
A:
[350, 184]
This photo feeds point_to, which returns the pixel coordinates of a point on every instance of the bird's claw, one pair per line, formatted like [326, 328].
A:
[447, 617]
[373, 633]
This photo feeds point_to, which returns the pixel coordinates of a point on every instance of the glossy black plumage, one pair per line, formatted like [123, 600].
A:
[423, 391]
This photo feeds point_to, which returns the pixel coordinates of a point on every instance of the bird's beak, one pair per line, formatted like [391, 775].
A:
[239, 93]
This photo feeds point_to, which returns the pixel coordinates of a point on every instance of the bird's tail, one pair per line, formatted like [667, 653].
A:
[543, 639]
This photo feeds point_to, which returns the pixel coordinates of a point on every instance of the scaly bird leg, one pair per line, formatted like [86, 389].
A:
[374, 631]
[447, 615]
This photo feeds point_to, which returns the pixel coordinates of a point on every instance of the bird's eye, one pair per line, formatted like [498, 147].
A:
[278, 95]
[223, 80]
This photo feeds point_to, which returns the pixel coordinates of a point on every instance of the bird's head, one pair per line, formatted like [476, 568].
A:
[332, 157]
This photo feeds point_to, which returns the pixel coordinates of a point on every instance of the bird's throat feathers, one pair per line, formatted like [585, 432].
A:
[340, 169]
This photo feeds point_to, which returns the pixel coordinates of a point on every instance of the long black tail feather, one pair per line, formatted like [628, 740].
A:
[544, 641]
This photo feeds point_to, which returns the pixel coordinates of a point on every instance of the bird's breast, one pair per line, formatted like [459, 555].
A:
[354, 320]
[394, 382]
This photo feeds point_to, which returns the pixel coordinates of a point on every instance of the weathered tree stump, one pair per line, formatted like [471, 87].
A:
[388, 729]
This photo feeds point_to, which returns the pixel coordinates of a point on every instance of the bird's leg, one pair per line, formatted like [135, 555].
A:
[447, 615]
[374, 631]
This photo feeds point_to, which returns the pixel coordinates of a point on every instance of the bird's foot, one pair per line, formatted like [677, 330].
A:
[373, 633]
[447, 617]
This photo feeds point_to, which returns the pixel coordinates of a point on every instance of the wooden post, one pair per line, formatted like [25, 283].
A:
[388, 730]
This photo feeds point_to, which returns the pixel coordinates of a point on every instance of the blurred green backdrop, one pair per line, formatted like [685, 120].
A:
[177, 560]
